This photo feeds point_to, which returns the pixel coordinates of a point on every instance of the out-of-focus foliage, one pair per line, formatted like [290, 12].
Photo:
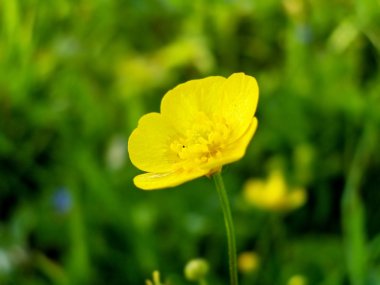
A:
[75, 76]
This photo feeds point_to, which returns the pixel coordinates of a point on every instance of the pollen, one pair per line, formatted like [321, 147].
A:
[204, 141]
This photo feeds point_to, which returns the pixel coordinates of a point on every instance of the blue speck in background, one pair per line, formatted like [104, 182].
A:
[62, 200]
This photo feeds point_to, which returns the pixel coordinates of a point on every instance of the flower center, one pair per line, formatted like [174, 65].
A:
[205, 140]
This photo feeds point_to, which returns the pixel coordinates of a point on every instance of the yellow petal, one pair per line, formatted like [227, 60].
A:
[182, 104]
[277, 184]
[240, 94]
[155, 181]
[236, 150]
[149, 144]
[234, 99]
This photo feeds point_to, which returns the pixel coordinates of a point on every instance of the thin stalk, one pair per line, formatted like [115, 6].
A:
[219, 184]
[353, 214]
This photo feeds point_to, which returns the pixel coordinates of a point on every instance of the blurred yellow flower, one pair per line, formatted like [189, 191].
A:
[248, 261]
[203, 125]
[273, 194]
[297, 280]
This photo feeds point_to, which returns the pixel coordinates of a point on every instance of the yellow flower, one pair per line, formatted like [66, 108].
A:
[248, 261]
[273, 194]
[203, 125]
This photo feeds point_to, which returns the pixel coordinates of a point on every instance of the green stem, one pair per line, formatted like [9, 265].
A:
[353, 215]
[229, 227]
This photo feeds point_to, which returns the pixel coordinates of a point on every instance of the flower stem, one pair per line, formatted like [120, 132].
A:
[219, 184]
[353, 209]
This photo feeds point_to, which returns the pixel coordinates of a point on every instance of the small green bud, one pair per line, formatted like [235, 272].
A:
[196, 269]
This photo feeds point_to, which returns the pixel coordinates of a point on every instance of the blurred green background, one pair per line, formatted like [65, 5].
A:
[75, 76]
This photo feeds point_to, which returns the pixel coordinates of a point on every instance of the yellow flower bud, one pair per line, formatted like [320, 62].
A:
[196, 269]
[156, 279]
[297, 280]
[248, 262]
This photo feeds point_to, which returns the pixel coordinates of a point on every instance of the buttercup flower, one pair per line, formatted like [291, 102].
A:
[273, 194]
[203, 125]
